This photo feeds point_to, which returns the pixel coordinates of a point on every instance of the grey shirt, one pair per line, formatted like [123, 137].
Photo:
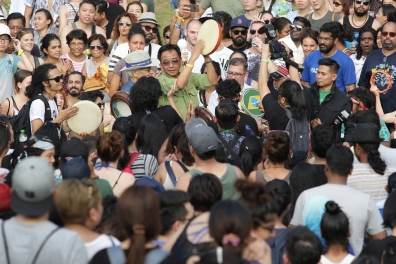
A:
[23, 241]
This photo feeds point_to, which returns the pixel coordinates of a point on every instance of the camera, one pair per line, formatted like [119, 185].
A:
[341, 118]
[276, 48]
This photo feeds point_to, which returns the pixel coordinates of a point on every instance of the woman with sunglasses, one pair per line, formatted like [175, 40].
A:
[341, 7]
[98, 48]
[24, 43]
[166, 35]
[51, 47]
[135, 8]
[122, 25]
[42, 26]
[386, 13]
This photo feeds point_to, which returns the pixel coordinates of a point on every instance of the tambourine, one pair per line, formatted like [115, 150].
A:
[250, 102]
[87, 119]
[121, 105]
[386, 75]
[203, 114]
[211, 33]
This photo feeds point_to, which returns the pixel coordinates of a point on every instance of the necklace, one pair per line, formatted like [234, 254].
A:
[353, 23]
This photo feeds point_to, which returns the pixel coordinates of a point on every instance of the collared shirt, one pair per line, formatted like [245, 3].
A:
[182, 97]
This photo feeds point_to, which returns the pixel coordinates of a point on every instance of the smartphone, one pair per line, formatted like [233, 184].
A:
[194, 8]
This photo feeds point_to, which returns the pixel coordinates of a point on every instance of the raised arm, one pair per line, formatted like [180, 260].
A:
[263, 72]
[28, 15]
[62, 16]
[389, 117]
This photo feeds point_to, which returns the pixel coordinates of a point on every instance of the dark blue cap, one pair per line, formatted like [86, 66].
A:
[76, 168]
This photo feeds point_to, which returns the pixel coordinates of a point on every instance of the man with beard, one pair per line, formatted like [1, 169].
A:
[383, 60]
[328, 37]
[293, 41]
[150, 26]
[359, 19]
[238, 33]
[321, 14]
[75, 84]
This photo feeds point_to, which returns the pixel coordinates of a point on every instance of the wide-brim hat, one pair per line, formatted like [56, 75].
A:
[148, 17]
[139, 59]
[366, 133]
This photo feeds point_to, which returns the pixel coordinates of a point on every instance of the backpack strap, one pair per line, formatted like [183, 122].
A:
[14, 103]
[93, 29]
[47, 115]
[170, 172]
[5, 242]
[43, 243]
[309, 15]
[9, 105]
[229, 147]
[74, 26]
[182, 165]
[73, 8]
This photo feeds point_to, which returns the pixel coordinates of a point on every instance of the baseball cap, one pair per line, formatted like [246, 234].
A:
[76, 168]
[211, 16]
[146, 181]
[239, 22]
[33, 185]
[280, 73]
[73, 148]
[5, 197]
[4, 30]
[201, 137]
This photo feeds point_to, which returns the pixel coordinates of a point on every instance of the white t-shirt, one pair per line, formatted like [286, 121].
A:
[298, 52]
[213, 102]
[37, 110]
[222, 57]
[359, 207]
[102, 242]
[347, 260]
[17, 6]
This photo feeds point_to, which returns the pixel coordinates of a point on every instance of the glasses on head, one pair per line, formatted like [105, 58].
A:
[324, 39]
[297, 27]
[148, 29]
[5, 40]
[235, 74]
[57, 78]
[99, 47]
[167, 36]
[391, 34]
[101, 105]
[237, 32]
[336, 4]
[366, 3]
[79, 44]
[121, 23]
[168, 63]
[252, 31]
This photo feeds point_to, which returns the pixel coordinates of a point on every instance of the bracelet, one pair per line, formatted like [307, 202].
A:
[209, 61]
[264, 60]
[190, 65]
[177, 25]
[181, 18]
[20, 52]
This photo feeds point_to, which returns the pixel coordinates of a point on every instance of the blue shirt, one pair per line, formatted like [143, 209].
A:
[346, 74]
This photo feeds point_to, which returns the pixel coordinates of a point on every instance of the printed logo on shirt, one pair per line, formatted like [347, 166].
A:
[314, 70]
[380, 79]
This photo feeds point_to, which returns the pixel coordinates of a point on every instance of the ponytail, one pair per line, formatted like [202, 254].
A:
[374, 157]
[298, 105]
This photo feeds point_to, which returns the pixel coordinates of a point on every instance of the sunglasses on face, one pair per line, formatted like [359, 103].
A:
[391, 34]
[366, 3]
[252, 32]
[99, 47]
[336, 4]
[297, 27]
[121, 23]
[148, 29]
[57, 78]
[242, 32]
[168, 63]
[167, 36]
[101, 105]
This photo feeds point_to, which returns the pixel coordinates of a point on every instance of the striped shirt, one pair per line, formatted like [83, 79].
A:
[144, 165]
[365, 179]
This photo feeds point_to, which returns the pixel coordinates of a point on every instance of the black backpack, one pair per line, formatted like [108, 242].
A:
[299, 136]
[22, 120]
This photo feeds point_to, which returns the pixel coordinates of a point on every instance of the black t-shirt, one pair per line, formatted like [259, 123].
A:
[167, 114]
[275, 114]
[376, 247]
[109, 29]
[243, 121]
[321, 174]
[113, 11]
[239, 49]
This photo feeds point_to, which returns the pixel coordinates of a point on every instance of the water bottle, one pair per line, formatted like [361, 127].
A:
[22, 136]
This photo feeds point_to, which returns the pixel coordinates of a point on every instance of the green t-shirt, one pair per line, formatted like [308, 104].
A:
[232, 7]
[322, 95]
[104, 187]
[329, 17]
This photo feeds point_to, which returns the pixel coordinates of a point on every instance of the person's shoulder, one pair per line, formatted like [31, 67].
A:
[312, 58]
[375, 54]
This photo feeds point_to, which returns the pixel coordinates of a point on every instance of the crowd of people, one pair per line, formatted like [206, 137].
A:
[123, 141]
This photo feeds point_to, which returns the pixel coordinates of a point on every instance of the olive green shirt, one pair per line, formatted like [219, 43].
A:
[232, 7]
[182, 97]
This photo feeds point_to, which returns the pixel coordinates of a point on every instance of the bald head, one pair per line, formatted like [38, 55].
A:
[191, 32]
[388, 42]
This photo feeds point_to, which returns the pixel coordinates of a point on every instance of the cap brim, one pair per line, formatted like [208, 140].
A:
[30, 209]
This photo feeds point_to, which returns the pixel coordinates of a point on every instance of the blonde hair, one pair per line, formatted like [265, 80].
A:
[74, 200]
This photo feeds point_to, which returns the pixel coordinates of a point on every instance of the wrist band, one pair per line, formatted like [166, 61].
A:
[264, 60]
[20, 52]
[177, 25]
[190, 65]
[181, 18]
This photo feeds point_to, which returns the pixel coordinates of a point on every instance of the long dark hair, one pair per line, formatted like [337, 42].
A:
[359, 48]
[40, 74]
[178, 138]
[294, 95]
[250, 154]
[374, 157]
[151, 135]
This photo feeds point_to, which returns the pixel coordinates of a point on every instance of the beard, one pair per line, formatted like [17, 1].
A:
[73, 91]
[239, 42]
[327, 49]
[360, 14]
[387, 46]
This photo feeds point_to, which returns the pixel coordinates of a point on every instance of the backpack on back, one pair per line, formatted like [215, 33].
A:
[22, 120]
[299, 136]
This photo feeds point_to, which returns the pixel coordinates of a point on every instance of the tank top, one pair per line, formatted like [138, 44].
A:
[264, 178]
[76, 65]
[369, 23]
[72, 10]
[227, 180]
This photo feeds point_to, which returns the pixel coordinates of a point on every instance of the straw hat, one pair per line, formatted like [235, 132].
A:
[139, 59]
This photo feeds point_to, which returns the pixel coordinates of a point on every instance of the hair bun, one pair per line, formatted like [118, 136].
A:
[332, 207]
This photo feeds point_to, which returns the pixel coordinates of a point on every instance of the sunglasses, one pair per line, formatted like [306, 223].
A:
[148, 29]
[336, 4]
[99, 47]
[121, 23]
[252, 32]
[236, 32]
[391, 34]
[167, 36]
[366, 3]
[297, 27]
[101, 105]
[168, 63]
[57, 78]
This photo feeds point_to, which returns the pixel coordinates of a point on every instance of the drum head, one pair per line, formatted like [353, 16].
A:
[120, 105]
[250, 102]
[203, 114]
[87, 119]
[211, 33]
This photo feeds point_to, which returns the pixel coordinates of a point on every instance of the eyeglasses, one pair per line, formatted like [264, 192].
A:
[57, 78]
[121, 23]
[391, 34]
[235, 74]
[297, 27]
[101, 105]
[167, 36]
[366, 3]
[79, 44]
[99, 47]
[168, 63]
[148, 29]
[252, 32]
[236, 32]
[5, 40]
[324, 39]
[336, 4]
